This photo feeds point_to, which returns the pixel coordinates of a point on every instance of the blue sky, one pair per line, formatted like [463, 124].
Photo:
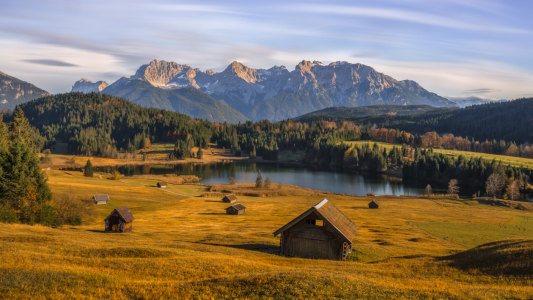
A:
[451, 47]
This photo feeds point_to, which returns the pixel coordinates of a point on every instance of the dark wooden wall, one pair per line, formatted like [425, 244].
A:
[312, 241]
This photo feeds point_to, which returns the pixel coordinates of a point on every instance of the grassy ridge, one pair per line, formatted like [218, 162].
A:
[187, 247]
[508, 160]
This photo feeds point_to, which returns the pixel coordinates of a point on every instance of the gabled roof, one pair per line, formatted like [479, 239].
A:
[124, 212]
[101, 197]
[238, 206]
[374, 202]
[162, 183]
[330, 214]
[231, 197]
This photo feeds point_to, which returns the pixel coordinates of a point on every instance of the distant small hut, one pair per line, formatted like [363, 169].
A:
[229, 198]
[48, 169]
[373, 204]
[322, 232]
[162, 184]
[120, 220]
[237, 209]
[101, 199]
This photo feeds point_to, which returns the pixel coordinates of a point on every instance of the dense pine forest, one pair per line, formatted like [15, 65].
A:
[511, 121]
[102, 125]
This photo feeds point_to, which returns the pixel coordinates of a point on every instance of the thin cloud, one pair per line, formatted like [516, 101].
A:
[49, 62]
[402, 15]
[480, 91]
[366, 55]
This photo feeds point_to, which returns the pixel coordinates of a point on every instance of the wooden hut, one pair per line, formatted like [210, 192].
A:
[236, 209]
[322, 232]
[373, 204]
[229, 198]
[120, 220]
[101, 199]
[162, 184]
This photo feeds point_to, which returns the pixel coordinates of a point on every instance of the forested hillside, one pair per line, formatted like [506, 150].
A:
[97, 124]
[510, 121]
[346, 113]
[189, 101]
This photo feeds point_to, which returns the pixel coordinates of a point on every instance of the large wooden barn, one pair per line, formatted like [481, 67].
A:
[322, 232]
[229, 198]
[373, 204]
[101, 199]
[120, 220]
[236, 209]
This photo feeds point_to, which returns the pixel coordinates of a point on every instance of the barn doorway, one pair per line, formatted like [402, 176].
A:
[114, 223]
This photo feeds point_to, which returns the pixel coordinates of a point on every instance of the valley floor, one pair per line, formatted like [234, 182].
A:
[185, 247]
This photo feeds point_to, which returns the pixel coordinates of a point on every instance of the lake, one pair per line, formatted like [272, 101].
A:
[351, 183]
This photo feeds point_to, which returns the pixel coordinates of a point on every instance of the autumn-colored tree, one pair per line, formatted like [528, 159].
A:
[231, 180]
[428, 190]
[494, 184]
[512, 191]
[268, 182]
[453, 187]
[147, 144]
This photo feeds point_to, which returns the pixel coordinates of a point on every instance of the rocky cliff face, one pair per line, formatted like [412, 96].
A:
[86, 86]
[277, 93]
[14, 92]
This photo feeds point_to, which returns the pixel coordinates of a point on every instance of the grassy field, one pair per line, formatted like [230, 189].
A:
[157, 154]
[186, 247]
[511, 160]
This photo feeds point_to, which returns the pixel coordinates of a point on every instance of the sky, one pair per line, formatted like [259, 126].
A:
[455, 48]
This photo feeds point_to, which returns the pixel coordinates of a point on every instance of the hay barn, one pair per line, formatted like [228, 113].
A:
[120, 220]
[229, 198]
[101, 199]
[237, 209]
[373, 204]
[322, 232]
[162, 184]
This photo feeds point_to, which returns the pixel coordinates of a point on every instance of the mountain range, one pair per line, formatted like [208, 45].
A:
[239, 92]
[14, 91]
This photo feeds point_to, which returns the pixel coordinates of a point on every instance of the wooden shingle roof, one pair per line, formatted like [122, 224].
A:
[231, 197]
[101, 197]
[330, 214]
[124, 212]
[374, 202]
[238, 206]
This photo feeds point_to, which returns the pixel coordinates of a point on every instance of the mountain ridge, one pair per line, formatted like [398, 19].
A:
[14, 91]
[277, 93]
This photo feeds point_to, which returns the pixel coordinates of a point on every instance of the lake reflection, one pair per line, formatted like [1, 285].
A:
[351, 183]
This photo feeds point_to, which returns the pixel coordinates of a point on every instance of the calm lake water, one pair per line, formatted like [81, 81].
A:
[352, 183]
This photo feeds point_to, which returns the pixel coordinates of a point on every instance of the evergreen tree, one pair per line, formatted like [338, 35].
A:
[268, 182]
[23, 188]
[259, 180]
[88, 171]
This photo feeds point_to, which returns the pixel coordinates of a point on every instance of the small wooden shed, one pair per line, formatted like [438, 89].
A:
[322, 232]
[373, 204]
[101, 199]
[120, 220]
[236, 209]
[229, 198]
[162, 184]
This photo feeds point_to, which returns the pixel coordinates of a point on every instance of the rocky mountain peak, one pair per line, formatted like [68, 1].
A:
[159, 72]
[84, 85]
[242, 71]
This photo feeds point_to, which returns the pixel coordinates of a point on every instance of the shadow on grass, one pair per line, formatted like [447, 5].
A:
[97, 231]
[212, 214]
[254, 247]
[215, 201]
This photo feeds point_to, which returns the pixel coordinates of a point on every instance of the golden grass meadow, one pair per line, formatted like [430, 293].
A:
[185, 247]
